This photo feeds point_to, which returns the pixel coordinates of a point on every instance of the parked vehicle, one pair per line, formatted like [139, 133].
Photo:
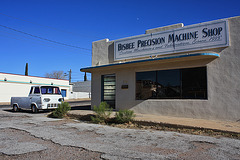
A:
[39, 98]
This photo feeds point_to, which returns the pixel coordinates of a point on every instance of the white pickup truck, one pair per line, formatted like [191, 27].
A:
[39, 98]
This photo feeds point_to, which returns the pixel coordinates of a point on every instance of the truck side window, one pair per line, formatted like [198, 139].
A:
[31, 90]
[37, 90]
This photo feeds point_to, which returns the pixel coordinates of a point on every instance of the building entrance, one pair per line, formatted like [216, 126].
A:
[109, 89]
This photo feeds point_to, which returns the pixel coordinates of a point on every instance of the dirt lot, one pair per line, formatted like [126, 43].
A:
[137, 124]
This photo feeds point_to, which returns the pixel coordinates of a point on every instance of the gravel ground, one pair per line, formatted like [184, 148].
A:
[34, 136]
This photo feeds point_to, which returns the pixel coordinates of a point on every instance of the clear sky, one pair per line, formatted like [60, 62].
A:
[53, 35]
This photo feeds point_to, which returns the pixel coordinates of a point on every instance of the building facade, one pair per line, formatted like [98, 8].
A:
[14, 85]
[184, 71]
[81, 90]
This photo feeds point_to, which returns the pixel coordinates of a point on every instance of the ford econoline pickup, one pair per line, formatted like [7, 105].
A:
[39, 98]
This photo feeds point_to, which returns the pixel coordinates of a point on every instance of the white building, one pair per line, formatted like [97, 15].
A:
[81, 90]
[186, 71]
[14, 85]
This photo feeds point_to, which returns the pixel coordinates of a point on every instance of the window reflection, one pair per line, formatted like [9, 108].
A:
[145, 84]
[194, 83]
[168, 82]
[172, 84]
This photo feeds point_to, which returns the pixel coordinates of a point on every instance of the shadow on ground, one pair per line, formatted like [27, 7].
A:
[87, 107]
[9, 109]
[27, 111]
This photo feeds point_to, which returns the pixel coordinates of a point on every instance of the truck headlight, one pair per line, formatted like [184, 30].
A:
[46, 99]
[60, 99]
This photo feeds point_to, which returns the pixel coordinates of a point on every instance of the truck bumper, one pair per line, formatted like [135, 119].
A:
[50, 106]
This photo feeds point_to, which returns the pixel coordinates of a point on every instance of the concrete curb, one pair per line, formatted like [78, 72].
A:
[170, 125]
[5, 106]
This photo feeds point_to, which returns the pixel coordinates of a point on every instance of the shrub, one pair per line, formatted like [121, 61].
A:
[62, 110]
[124, 116]
[102, 113]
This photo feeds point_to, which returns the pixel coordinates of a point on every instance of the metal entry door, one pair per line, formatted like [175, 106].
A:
[109, 89]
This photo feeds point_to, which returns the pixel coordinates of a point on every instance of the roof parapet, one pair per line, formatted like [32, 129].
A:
[164, 28]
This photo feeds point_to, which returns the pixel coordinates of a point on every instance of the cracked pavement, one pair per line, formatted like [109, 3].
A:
[34, 136]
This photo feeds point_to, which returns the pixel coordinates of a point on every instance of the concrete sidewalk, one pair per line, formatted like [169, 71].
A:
[202, 123]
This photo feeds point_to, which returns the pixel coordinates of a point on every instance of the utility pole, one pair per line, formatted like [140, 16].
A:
[70, 76]
[85, 77]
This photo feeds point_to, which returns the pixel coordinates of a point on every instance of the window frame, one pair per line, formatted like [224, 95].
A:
[31, 90]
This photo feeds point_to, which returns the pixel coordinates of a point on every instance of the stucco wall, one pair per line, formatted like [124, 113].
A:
[223, 76]
[96, 88]
[102, 52]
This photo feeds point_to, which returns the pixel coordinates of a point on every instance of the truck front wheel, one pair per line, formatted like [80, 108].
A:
[15, 108]
[34, 109]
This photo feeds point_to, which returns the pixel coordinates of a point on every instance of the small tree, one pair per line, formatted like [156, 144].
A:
[62, 110]
[124, 116]
[56, 75]
[103, 113]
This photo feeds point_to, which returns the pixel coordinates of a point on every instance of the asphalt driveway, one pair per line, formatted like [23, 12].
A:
[34, 136]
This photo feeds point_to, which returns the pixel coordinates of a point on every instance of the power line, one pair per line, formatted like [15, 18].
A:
[72, 33]
[45, 39]
[39, 42]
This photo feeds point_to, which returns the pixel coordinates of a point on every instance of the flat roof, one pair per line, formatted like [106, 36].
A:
[33, 76]
[160, 59]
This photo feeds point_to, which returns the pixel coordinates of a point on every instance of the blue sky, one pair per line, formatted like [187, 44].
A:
[80, 22]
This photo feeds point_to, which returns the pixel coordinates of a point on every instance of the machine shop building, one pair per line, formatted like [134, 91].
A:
[185, 71]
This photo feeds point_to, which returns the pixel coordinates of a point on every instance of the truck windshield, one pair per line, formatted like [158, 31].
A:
[50, 90]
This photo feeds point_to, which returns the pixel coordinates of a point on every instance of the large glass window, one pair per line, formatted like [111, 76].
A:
[194, 83]
[168, 84]
[145, 85]
[188, 83]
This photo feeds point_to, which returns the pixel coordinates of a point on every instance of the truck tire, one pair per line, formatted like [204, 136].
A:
[15, 108]
[34, 109]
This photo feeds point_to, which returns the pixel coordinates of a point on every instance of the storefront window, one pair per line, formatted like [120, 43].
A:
[168, 84]
[190, 83]
[194, 83]
[145, 84]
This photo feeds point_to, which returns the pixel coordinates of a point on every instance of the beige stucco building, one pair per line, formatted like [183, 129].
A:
[15, 85]
[185, 71]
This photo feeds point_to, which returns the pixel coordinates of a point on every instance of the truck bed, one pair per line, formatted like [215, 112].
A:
[23, 102]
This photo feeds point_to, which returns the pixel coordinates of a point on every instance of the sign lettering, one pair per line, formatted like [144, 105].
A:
[196, 37]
